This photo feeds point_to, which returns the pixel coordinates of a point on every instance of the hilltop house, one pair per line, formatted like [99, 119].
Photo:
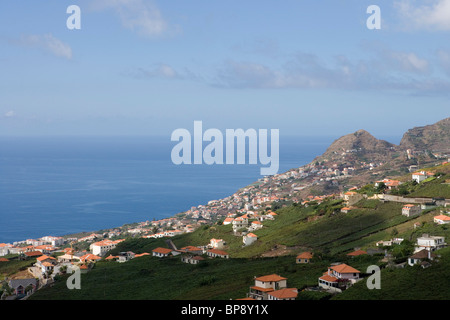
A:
[338, 277]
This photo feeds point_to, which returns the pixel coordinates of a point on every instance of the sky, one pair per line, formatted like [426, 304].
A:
[148, 67]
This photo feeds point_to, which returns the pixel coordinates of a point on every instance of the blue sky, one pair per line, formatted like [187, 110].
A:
[141, 67]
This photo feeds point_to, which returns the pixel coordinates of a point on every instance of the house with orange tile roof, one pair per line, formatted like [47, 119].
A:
[441, 219]
[45, 248]
[283, 294]
[249, 238]
[266, 284]
[89, 257]
[32, 254]
[255, 225]
[346, 209]
[214, 253]
[45, 263]
[421, 176]
[100, 248]
[228, 221]
[304, 257]
[338, 277]
[161, 252]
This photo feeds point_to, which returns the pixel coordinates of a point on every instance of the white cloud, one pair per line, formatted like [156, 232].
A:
[410, 62]
[140, 16]
[47, 43]
[387, 70]
[10, 114]
[433, 15]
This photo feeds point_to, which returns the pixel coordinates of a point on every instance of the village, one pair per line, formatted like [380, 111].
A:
[247, 212]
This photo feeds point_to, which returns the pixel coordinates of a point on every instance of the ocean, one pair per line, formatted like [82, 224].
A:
[63, 185]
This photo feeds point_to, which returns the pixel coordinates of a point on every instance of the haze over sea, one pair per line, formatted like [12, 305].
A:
[63, 185]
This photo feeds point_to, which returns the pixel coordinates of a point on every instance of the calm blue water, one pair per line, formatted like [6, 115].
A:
[56, 186]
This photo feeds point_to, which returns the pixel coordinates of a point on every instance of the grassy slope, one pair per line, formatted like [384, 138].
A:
[410, 283]
[318, 228]
[153, 278]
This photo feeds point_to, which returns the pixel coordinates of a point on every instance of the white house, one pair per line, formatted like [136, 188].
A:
[338, 276]
[421, 175]
[100, 248]
[430, 243]
[54, 241]
[214, 253]
[161, 252]
[442, 219]
[249, 238]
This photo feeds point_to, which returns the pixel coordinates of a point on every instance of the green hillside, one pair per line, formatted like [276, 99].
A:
[410, 283]
[323, 229]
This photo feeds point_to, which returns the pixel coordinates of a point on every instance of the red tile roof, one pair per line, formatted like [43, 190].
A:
[286, 293]
[270, 278]
[343, 268]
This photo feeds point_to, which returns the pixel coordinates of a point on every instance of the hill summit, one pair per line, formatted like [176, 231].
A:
[434, 137]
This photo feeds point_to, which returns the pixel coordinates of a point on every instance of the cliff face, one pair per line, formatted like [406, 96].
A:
[435, 137]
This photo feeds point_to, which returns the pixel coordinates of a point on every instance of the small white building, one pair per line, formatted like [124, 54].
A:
[421, 176]
[249, 238]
